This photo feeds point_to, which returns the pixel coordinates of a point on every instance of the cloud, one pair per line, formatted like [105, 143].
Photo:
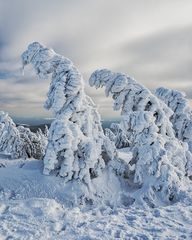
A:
[158, 59]
[150, 40]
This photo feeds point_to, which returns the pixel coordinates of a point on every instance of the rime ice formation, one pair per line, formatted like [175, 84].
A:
[182, 113]
[159, 159]
[20, 141]
[76, 141]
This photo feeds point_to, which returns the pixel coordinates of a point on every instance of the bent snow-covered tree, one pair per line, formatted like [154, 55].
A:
[159, 159]
[19, 141]
[182, 113]
[76, 140]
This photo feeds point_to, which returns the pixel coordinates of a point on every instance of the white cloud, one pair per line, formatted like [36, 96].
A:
[130, 36]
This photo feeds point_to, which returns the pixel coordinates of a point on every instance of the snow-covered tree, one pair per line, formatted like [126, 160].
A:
[117, 135]
[182, 113]
[159, 159]
[34, 144]
[19, 141]
[76, 141]
[43, 138]
[9, 136]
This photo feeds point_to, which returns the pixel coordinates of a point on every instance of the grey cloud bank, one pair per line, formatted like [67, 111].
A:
[150, 40]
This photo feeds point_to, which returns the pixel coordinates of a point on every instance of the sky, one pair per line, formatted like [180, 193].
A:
[149, 40]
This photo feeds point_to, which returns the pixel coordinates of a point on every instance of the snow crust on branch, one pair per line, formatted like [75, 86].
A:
[19, 141]
[182, 113]
[159, 159]
[76, 140]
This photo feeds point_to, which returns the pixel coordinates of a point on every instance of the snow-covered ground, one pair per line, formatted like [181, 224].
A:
[34, 206]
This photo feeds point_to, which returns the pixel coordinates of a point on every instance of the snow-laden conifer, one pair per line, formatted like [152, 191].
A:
[159, 159]
[34, 144]
[76, 141]
[19, 141]
[10, 137]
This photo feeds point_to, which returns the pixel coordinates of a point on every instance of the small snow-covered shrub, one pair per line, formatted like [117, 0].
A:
[19, 141]
[76, 143]
[159, 159]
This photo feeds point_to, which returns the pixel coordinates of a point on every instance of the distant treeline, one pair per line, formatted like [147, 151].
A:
[34, 128]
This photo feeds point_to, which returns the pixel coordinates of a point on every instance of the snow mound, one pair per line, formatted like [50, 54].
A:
[29, 182]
